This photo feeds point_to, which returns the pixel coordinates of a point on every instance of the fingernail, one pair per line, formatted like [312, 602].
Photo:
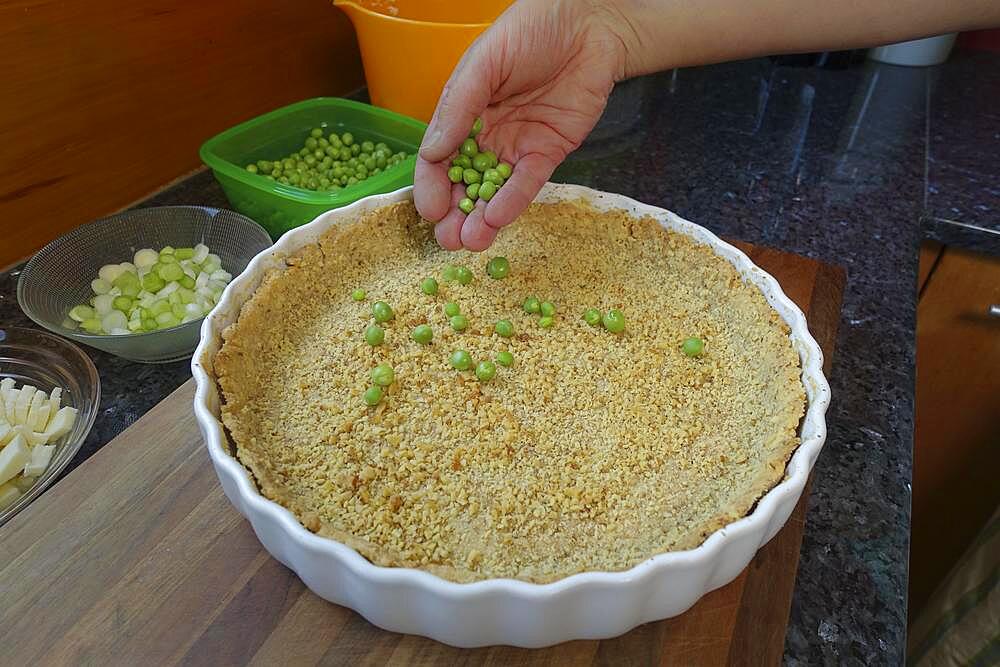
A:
[433, 140]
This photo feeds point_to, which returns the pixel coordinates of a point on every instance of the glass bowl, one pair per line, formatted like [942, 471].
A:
[58, 276]
[46, 361]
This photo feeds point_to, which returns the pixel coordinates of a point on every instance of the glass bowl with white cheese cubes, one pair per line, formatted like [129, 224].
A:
[138, 284]
[49, 397]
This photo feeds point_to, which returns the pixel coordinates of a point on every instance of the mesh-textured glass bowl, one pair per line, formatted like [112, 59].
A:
[45, 362]
[58, 277]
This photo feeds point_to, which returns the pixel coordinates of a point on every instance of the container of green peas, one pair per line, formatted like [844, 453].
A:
[286, 167]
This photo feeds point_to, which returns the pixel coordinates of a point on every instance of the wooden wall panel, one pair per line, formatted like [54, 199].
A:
[102, 102]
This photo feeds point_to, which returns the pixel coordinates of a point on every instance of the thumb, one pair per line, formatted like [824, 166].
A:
[464, 97]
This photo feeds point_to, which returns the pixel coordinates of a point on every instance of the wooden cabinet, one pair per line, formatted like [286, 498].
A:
[957, 438]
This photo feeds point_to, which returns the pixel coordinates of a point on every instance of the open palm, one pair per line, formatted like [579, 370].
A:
[539, 78]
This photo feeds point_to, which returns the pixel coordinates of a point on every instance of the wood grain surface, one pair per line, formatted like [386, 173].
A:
[108, 100]
[137, 558]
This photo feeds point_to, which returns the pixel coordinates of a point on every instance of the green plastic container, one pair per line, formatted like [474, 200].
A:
[278, 208]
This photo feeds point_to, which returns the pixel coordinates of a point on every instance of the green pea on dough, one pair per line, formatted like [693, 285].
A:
[592, 316]
[504, 328]
[374, 335]
[459, 322]
[469, 148]
[498, 268]
[455, 174]
[614, 321]
[466, 205]
[693, 346]
[547, 309]
[532, 305]
[429, 286]
[545, 322]
[382, 312]
[471, 176]
[383, 375]
[460, 360]
[463, 275]
[505, 358]
[373, 395]
[423, 334]
[358, 295]
[451, 309]
[486, 371]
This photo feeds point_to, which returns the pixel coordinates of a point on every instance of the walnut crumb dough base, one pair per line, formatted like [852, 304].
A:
[593, 452]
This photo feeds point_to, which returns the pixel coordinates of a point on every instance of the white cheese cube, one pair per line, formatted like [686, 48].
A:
[23, 403]
[13, 458]
[61, 424]
[40, 458]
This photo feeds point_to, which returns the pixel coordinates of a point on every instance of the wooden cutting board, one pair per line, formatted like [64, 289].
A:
[137, 557]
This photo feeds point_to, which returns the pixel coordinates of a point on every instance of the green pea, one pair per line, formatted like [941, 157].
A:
[487, 190]
[358, 295]
[469, 147]
[505, 170]
[311, 143]
[382, 311]
[347, 138]
[455, 174]
[466, 205]
[423, 334]
[462, 161]
[532, 305]
[449, 273]
[486, 371]
[315, 133]
[374, 335]
[547, 309]
[367, 146]
[505, 358]
[451, 309]
[252, 168]
[471, 176]
[345, 153]
[459, 322]
[504, 328]
[463, 275]
[592, 316]
[460, 360]
[693, 347]
[429, 286]
[493, 176]
[498, 268]
[472, 191]
[373, 395]
[477, 127]
[614, 321]
[383, 375]
[492, 158]
[481, 162]
[545, 322]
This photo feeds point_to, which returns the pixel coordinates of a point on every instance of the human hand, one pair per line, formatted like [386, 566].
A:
[539, 78]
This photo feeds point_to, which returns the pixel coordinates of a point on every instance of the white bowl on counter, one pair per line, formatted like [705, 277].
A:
[590, 605]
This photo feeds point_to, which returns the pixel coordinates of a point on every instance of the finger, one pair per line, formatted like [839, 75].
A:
[431, 189]
[476, 234]
[530, 174]
[448, 231]
[464, 97]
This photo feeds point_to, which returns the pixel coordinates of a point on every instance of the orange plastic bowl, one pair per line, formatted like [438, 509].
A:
[410, 47]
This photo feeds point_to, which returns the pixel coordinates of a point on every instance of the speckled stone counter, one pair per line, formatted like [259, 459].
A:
[851, 166]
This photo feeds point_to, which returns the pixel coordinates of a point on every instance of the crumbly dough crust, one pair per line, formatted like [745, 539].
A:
[593, 452]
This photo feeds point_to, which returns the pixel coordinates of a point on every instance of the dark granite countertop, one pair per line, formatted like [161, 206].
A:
[852, 166]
